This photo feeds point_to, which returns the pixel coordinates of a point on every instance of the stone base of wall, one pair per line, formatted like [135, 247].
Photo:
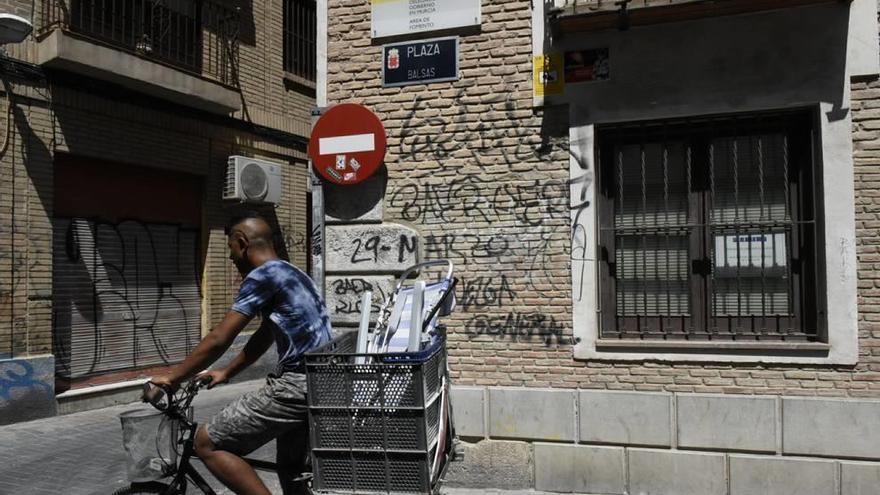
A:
[595, 469]
[27, 389]
[627, 443]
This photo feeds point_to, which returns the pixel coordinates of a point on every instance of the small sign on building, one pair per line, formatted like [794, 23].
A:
[396, 17]
[547, 78]
[587, 65]
[750, 254]
[420, 62]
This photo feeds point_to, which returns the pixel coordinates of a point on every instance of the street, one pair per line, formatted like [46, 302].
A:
[82, 454]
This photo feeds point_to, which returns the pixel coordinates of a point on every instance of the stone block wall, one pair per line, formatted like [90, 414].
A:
[687, 444]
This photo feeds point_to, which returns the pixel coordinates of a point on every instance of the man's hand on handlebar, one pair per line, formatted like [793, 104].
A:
[157, 388]
[212, 378]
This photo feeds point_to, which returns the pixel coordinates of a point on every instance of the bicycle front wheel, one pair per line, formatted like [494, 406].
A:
[146, 488]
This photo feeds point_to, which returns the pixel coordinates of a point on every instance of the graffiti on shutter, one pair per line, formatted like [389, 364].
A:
[125, 295]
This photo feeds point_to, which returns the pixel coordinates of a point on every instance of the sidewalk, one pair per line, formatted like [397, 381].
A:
[81, 454]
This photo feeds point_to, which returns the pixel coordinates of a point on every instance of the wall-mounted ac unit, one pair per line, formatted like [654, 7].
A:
[252, 181]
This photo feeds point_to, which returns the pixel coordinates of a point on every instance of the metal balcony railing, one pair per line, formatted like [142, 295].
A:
[197, 36]
[596, 6]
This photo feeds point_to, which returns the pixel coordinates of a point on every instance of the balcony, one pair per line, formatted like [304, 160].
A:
[181, 50]
[597, 15]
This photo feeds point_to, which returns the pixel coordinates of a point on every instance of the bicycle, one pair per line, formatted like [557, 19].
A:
[176, 414]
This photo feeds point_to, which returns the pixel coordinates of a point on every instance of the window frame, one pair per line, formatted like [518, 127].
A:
[292, 41]
[696, 134]
[839, 314]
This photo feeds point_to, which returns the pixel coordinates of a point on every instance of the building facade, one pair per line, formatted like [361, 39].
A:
[663, 219]
[119, 121]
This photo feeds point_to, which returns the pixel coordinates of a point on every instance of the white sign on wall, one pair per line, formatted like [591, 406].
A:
[757, 250]
[395, 17]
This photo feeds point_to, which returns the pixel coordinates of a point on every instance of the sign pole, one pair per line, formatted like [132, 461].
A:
[317, 231]
[318, 236]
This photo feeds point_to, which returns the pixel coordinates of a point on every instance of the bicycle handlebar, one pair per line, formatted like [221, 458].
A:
[162, 397]
[156, 395]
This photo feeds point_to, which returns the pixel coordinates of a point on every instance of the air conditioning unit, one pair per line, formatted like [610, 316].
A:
[252, 181]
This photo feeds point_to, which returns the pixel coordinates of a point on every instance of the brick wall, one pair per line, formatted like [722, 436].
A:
[46, 120]
[483, 177]
[25, 260]
[90, 126]
[267, 100]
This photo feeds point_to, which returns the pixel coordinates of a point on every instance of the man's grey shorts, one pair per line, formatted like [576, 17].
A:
[257, 417]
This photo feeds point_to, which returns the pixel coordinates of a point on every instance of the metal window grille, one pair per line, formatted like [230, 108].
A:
[194, 35]
[300, 33]
[708, 229]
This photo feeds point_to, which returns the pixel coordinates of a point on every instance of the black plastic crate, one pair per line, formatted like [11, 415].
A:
[359, 472]
[374, 418]
[379, 429]
[337, 377]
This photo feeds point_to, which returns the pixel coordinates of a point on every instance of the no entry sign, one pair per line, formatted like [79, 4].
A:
[347, 144]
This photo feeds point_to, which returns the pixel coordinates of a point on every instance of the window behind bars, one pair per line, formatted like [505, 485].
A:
[708, 229]
[300, 34]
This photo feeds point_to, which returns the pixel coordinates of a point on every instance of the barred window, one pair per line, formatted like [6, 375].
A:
[708, 229]
[300, 33]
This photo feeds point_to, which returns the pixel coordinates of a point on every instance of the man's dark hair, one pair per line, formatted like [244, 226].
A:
[242, 215]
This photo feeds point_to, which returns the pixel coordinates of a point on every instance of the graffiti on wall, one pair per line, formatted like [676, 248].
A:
[295, 244]
[531, 203]
[19, 378]
[369, 249]
[517, 236]
[492, 138]
[347, 295]
[518, 326]
[124, 295]
[19, 266]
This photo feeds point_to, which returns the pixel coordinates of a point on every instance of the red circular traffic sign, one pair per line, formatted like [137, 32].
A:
[347, 144]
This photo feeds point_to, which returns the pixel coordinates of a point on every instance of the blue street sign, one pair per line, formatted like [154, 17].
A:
[420, 62]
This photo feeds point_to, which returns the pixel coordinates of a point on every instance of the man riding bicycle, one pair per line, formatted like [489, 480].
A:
[295, 317]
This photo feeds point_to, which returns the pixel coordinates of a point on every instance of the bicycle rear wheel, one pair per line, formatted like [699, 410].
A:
[146, 488]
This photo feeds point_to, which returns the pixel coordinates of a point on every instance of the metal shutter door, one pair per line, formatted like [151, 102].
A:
[125, 295]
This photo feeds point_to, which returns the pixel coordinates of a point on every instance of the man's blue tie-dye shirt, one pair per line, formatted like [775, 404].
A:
[287, 297]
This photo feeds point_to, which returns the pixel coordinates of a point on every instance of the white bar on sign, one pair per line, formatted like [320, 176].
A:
[346, 144]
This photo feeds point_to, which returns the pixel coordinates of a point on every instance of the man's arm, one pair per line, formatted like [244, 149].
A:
[256, 346]
[208, 350]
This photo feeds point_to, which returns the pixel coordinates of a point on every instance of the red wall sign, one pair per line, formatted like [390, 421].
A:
[347, 144]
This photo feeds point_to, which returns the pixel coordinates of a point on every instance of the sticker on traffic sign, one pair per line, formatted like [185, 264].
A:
[347, 144]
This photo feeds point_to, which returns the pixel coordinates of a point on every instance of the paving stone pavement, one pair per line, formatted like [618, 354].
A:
[82, 454]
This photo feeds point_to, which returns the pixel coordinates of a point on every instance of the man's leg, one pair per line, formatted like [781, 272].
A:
[249, 422]
[291, 455]
[229, 468]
